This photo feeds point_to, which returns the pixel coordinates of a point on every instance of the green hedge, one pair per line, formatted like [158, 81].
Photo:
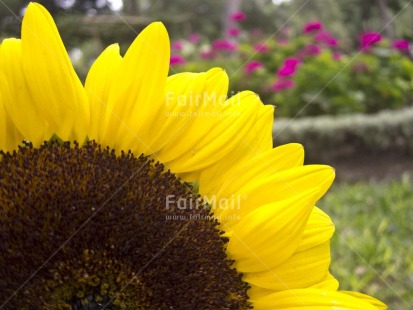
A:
[335, 137]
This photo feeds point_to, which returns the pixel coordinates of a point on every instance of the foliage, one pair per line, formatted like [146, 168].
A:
[371, 249]
[359, 82]
[374, 77]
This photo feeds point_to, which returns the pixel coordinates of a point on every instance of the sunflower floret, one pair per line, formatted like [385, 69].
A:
[89, 228]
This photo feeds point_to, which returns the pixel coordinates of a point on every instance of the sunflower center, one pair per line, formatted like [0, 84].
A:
[83, 228]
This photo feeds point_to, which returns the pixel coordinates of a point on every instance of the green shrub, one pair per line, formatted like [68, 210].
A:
[330, 137]
[325, 83]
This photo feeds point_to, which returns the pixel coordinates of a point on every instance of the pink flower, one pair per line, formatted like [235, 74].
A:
[233, 32]
[194, 38]
[402, 45]
[208, 54]
[238, 16]
[177, 45]
[280, 85]
[312, 26]
[224, 45]
[289, 67]
[252, 66]
[176, 60]
[261, 48]
[310, 50]
[368, 39]
[326, 38]
[291, 62]
[286, 71]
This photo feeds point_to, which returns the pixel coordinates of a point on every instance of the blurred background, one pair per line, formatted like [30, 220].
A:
[340, 74]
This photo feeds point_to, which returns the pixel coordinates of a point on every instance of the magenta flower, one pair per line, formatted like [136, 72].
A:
[233, 32]
[281, 85]
[313, 26]
[368, 39]
[224, 45]
[194, 38]
[402, 45]
[238, 16]
[289, 67]
[286, 71]
[261, 47]
[291, 62]
[326, 38]
[176, 60]
[252, 66]
[177, 45]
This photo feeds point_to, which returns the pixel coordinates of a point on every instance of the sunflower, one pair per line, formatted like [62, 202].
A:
[142, 191]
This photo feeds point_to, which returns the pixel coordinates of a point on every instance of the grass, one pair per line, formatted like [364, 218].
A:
[372, 250]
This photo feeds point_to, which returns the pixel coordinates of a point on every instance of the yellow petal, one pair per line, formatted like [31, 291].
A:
[197, 110]
[329, 283]
[10, 137]
[18, 113]
[3, 133]
[316, 299]
[176, 115]
[270, 234]
[237, 118]
[318, 229]
[137, 91]
[262, 165]
[243, 158]
[98, 84]
[55, 89]
[279, 186]
[301, 270]
[377, 303]
[256, 292]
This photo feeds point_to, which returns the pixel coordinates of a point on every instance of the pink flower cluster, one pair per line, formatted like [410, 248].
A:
[177, 45]
[321, 38]
[313, 26]
[317, 38]
[289, 67]
[177, 60]
[326, 38]
[284, 74]
[224, 45]
[309, 50]
[281, 85]
[233, 32]
[238, 16]
[252, 66]
[194, 38]
[401, 45]
[369, 39]
[261, 48]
